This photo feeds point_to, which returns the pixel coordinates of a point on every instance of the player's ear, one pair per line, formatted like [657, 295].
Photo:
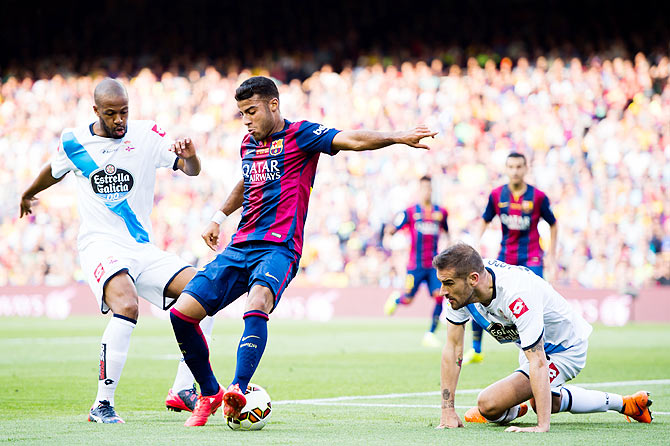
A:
[473, 278]
[95, 110]
[274, 104]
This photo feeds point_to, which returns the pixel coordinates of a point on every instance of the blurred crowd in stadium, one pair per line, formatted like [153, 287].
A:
[597, 135]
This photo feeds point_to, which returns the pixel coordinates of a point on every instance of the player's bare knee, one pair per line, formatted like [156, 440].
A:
[487, 406]
[128, 307]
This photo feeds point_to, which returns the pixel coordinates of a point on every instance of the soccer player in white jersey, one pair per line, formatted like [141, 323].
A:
[515, 305]
[114, 161]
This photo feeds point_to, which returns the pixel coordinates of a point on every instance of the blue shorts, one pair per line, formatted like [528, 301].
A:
[538, 270]
[235, 270]
[415, 277]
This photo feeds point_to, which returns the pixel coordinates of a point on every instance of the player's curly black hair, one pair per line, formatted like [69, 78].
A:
[260, 85]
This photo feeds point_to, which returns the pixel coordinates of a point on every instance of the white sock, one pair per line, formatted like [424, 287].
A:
[578, 400]
[509, 415]
[184, 379]
[113, 354]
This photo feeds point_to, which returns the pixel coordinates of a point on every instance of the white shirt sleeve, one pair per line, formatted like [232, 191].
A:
[162, 155]
[527, 312]
[457, 317]
[60, 163]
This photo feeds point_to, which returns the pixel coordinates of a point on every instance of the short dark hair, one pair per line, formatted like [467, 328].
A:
[260, 85]
[518, 155]
[463, 259]
[425, 178]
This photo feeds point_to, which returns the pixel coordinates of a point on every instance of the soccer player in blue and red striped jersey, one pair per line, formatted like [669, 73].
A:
[520, 207]
[425, 221]
[279, 160]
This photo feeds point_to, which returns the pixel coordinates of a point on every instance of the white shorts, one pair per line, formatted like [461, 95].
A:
[563, 366]
[150, 268]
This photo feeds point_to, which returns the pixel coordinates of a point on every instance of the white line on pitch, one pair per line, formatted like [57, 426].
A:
[320, 401]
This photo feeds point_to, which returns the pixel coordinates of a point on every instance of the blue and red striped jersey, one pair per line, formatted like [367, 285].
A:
[278, 178]
[520, 244]
[424, 225]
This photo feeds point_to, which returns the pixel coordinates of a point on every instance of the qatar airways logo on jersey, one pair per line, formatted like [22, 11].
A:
[112, 183]
[516, 222]
[261, 171]
[427, 227]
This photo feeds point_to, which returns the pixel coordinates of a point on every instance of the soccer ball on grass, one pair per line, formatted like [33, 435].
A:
[256, 413]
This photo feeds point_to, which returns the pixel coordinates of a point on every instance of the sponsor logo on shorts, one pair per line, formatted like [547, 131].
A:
[553, 372]
[271, 276]
[99, 272]
[518, 308]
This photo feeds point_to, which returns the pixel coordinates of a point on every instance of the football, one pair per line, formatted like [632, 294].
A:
[256, 413]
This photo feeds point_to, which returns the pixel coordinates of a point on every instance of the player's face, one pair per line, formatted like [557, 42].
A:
[515, 168]
[113, 114]
[259, 115]
[426, 191]
[457, 290]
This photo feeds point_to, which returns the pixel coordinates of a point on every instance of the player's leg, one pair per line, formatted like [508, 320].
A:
[396, 298]
[475, 355]
[182, 395]
[120, 295]
[272, 268]
[429, 338]
[503, 401]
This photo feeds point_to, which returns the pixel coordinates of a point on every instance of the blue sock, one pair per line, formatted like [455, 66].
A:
[436, 315]
[477, 331]
[251, 347]
[194, 348]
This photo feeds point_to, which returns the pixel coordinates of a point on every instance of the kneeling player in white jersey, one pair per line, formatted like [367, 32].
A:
[114, 162]
[515, 305]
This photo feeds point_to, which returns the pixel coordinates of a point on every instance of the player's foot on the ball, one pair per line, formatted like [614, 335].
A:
[391, 303]
[233, 401]
[473, 416]
[182, 400]
[206, 406]
[104, 413]
[472, 357]
[430, 340]
[636, 406]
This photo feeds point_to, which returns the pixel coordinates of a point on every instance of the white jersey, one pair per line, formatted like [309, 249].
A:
[115, 179]
[524, 308]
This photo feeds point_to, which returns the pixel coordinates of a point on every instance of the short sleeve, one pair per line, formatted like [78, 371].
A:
[490, 210]
[456, 317]
[313, 138]
[400, 220]
[60, 163]
[444, 223]
[546, 213]
[161, 147]
[528, 316]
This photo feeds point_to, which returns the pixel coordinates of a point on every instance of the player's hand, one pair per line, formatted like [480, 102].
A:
[527, 429]
[414, 136]
[183, 148]
[449, 421]
[27, 205]
[211, 235]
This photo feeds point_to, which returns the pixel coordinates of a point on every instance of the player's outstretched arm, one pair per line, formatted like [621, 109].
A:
[234, 201]
[539, 384]
[450, 369]
[189, 163]
[43, 181]
[360, 140]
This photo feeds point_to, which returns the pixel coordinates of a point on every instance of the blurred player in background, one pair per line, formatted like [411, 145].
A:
[114, 161]
[425, 221]
[520, 207]
[279, 160]
[515, 305]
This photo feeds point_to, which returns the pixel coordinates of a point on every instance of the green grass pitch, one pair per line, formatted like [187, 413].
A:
[48, 379]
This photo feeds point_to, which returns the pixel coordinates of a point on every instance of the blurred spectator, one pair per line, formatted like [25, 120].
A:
[596, 135]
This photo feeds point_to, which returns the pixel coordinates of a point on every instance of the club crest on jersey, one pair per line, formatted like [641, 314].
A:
[277, 147]
[518, 308]
[527, 206]
[111, 183]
